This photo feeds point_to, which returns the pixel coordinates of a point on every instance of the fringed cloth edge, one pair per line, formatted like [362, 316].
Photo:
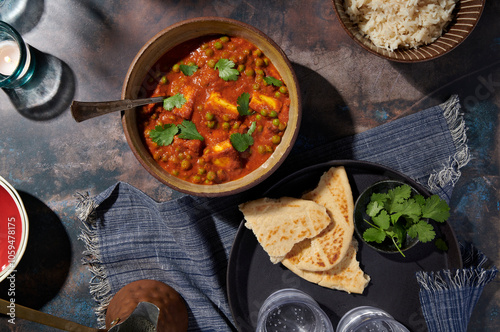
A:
[100, 288]
[449, 297]
[450, 173]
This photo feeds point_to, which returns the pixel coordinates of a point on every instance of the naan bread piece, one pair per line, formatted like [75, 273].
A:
[345, 276]
[280, 223]
[330, 247]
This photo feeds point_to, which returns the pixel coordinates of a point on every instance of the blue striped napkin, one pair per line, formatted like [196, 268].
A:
[186, 242]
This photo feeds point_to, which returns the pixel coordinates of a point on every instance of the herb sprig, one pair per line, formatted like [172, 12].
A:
[241, 142]
[226, 70]
[164, 135]
[176, 100]
[397, 214]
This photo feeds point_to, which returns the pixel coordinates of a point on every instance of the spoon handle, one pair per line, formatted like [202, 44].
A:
[18, 311]
[82, 110]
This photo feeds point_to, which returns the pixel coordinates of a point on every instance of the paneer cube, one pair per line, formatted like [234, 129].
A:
[261, 102]
[220, 106]
[224, 155]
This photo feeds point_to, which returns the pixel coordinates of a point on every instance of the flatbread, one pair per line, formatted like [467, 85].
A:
[329, 248]
[345, 276]
[280, 223]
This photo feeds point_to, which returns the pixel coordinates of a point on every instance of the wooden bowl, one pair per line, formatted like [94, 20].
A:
[465, 17]
[179, 33]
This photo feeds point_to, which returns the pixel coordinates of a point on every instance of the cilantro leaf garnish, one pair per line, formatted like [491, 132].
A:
[241, 142]
[188, 70]
[226, 70]
[175, 101]
[189, 131]
[163, 135]
[435, 209]
[441, 244]
[243, 104]
[273, 81]
[396, 214]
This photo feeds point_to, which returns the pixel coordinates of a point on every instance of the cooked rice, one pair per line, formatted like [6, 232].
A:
[393, 24]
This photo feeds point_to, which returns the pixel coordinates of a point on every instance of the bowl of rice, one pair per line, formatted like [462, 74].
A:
[409, 30]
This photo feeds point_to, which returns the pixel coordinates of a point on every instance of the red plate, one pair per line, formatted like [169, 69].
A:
[13, 229]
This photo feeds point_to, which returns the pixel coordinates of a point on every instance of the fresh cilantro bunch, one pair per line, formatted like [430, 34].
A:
[397, 214]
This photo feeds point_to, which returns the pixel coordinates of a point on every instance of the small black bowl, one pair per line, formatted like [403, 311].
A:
[360, 215]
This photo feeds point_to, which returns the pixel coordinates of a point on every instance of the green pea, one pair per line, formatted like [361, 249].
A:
[175, 172]
[276, 122]
[201, 171]
[211, 124]
[282, 126]
[241, 68]
[267, 61]
[186, 164]
[277, 94]
[269, 149]
[218, 45]
[226, 126]
[259, 72]
[259, 62]
[260, 128]
[211, 63]
[211, 176]
[196, 179]
[224, 39]
[256, 86]
[163, 80]
[273, 114]
[176, 68]
[209, 52]
[249, 72]
[257, 52]
[225, 117]
[236, 125]
[263, 113]
[209, 116]
[261, 149]
[258, 117]
[283, 89]
[204, 46]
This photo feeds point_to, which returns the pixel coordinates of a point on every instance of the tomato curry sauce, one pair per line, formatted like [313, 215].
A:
[236, 100]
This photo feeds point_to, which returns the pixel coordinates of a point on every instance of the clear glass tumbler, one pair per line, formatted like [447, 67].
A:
[292, 310]
[369, 319]
[16, 63]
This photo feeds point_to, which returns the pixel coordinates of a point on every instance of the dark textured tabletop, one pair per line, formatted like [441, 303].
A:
[49, 158]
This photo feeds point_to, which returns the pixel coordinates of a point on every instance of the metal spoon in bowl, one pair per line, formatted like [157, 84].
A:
[82, 110]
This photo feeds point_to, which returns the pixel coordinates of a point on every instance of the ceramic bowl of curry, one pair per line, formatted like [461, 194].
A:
[231, 109]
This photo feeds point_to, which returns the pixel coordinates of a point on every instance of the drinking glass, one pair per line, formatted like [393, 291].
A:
[16, 62]
[292, 310]
[369, 319]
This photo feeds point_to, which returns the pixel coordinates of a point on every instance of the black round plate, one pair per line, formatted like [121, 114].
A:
[251, 277]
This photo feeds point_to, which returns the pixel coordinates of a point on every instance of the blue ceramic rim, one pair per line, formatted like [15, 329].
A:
[10, 81]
